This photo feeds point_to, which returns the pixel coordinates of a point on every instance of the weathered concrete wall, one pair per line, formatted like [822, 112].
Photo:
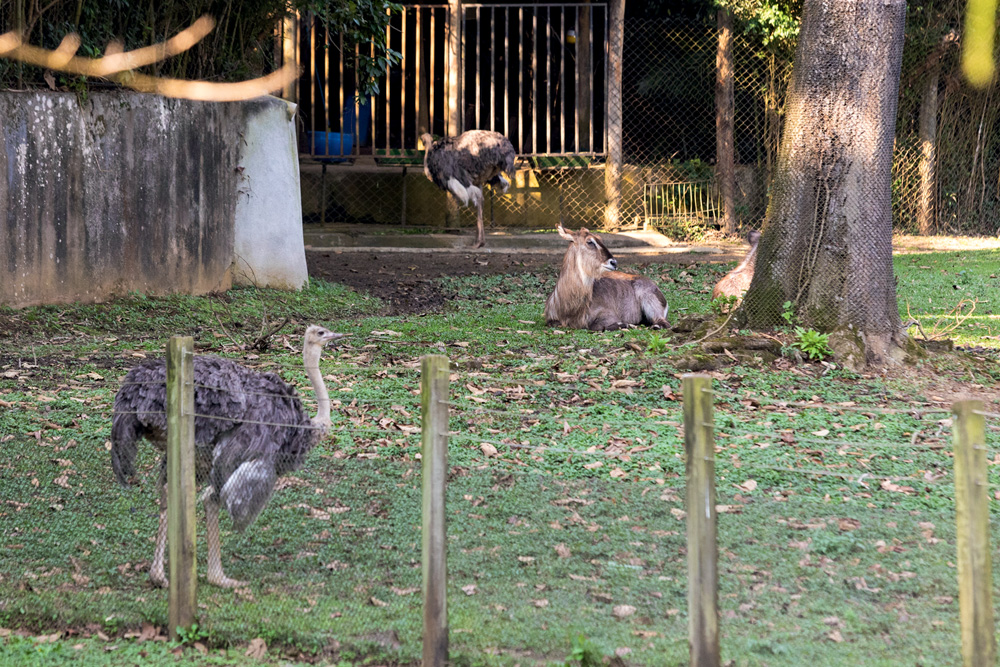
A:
[118, 193]
[268, 245]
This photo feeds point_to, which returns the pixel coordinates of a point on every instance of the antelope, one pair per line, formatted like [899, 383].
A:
[736, 282]
[592, 294]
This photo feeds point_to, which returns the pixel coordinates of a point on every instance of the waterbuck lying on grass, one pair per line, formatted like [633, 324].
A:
[737, 282]
[592, 294]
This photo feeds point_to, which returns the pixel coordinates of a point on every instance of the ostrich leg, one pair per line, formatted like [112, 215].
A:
[215, 574]
[480, 230]
[156, 571]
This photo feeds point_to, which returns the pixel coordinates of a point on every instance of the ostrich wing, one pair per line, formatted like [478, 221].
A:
[472, 158]
[273, 438]
[483, 154]
[141, 405]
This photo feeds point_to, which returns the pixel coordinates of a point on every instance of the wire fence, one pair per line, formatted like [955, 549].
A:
[561, 513]
[944, 159]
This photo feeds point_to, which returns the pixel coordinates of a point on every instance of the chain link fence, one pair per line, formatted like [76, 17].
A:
[947, 183]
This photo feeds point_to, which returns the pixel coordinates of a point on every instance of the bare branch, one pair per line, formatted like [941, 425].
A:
[120, 66]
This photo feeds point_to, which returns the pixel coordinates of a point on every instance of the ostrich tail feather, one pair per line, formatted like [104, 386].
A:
[124, 445]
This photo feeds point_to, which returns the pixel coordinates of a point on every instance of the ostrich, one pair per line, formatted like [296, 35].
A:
[462, 165]
[250, 428]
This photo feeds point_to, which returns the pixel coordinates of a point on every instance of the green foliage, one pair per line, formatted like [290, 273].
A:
[774, 22]
[788, 313]
[724, 304]
[584, 653]
[360, 22]
[812, 343]
[657, 344]
[192, 634]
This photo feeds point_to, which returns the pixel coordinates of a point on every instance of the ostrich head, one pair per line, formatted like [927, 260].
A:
[315, 339]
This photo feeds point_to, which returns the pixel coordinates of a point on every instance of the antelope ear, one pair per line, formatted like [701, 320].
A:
[563, 233]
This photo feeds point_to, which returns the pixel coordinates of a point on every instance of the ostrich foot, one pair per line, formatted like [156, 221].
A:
[222, 581]
[158, 578]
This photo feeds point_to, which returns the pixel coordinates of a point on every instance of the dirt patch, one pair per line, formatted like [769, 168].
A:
[408, 281]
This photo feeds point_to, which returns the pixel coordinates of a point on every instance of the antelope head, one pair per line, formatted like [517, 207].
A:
[587, 256]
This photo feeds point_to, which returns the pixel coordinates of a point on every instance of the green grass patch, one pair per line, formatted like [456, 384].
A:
[566, 488]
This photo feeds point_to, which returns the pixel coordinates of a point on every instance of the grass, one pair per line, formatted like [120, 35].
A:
[565, 499]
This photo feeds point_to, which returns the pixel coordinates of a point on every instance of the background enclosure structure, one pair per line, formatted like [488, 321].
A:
[945, 173]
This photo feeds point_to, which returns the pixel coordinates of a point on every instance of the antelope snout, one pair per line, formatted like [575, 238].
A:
[611, 264]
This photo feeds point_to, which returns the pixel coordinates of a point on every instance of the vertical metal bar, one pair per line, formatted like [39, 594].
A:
[340, 96]
[493, 65]
[534, 75]
[562, 78]
[355, 102]
[432, 75]
[418, 53]
[402, 79]
[548, 80]
[506, 71]
[578, 29]
[388, 88]
[479, 38]
[520, 79]
[313, 92]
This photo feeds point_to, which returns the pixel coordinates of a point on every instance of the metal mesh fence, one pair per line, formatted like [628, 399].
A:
[566, 514]
[945, 184]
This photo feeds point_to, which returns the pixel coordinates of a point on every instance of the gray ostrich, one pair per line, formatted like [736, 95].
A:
[462, 165]
[250, 428]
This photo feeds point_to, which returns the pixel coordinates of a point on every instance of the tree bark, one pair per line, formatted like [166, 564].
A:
[928, 152]
[613, 166]
[827, 243]
[926, 212]
[725, 157]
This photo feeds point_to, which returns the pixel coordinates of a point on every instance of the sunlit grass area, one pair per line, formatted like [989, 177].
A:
[566, 488]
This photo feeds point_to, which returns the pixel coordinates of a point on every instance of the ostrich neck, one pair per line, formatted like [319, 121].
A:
[310, 355]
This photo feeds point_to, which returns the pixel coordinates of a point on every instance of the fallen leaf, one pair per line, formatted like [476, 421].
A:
[747, 486]
[489, 450]
[257, 649]
[821, 433]
[540, 603]
[835, 636]
[562, 551]
[622, 610]
[470, 589]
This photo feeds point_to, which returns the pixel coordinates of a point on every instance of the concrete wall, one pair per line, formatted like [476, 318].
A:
[121, 192]
[268, 245]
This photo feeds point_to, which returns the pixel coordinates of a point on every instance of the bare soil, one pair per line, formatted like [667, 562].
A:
[407, 281]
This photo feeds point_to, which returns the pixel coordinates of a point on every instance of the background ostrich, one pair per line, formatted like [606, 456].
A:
[462, 165]
[254, 430]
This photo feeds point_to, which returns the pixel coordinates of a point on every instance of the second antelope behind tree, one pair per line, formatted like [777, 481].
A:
[592, 294]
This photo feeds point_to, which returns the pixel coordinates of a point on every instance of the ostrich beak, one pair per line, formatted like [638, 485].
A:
[335, 336]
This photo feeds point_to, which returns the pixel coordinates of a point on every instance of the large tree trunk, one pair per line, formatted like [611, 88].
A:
[613, 165]
[827, 243]
[725, 157]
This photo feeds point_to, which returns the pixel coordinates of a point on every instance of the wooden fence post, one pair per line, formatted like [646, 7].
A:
[972, 514]
[434, 448]
[181, 484]
[703, 575]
